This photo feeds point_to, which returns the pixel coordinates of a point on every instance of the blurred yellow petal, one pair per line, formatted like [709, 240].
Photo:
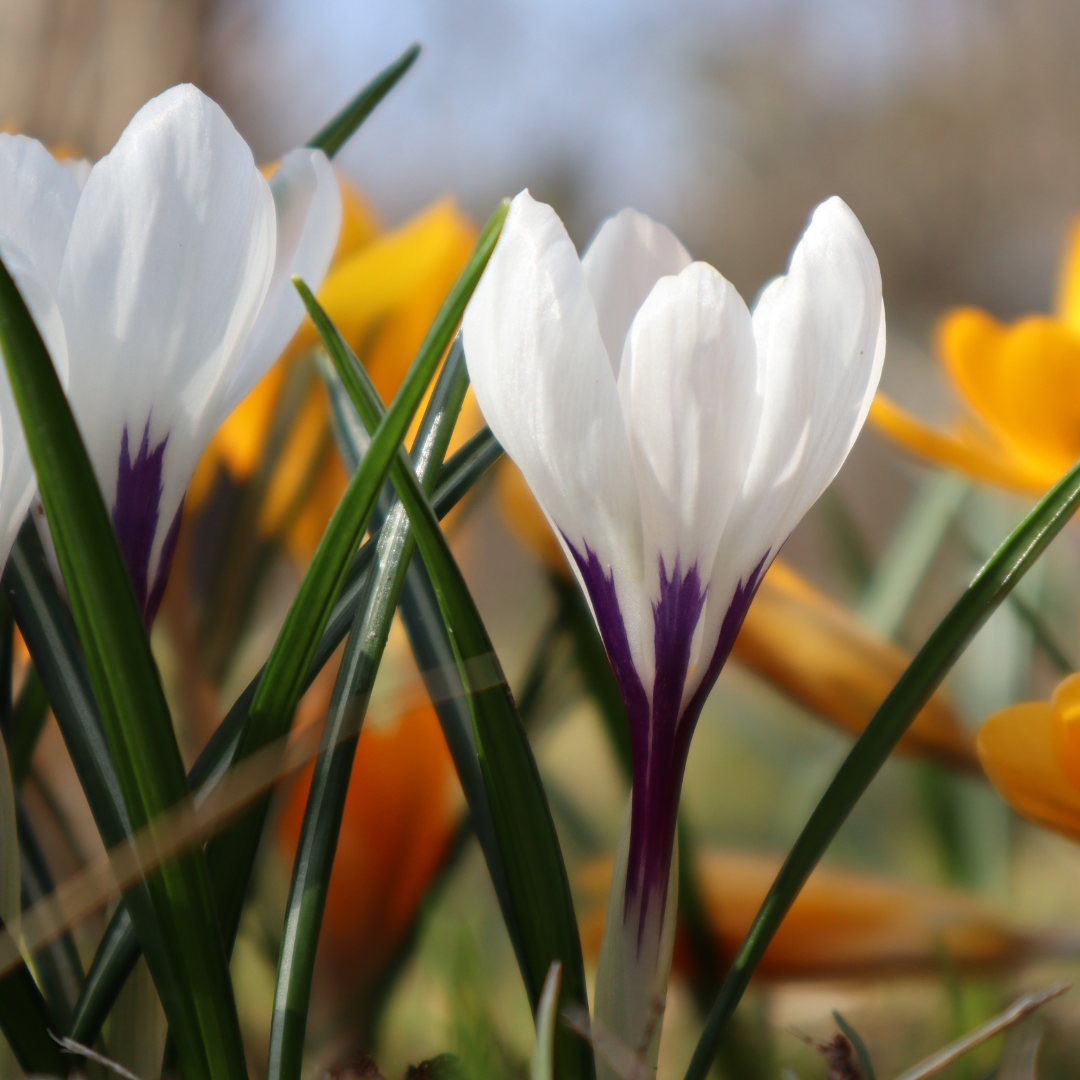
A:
[303, 535]
[369, 286]
[308, 441]
[1023, 381]
[817, 651]
[1065, 704]
[1019, 754]
[1068, 298]
[383, 293]
[842, 923]
[962, 450]
[359, 225]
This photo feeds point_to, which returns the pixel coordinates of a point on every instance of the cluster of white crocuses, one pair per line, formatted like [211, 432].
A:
[674, 439]
[160, 282]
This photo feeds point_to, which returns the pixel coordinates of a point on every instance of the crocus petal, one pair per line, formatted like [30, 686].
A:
[38, 197]
[79, 168]
[308, 204]
[546, 388]
[1018, 751]
[169, 258]
[41, 302]
[821, 342]
[17, 479]
[688, 384]
[628, 256]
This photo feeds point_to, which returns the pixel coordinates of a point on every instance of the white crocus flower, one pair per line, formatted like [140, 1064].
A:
[674, 440]
[160, 283]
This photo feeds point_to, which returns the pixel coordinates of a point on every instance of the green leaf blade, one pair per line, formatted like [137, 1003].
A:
[325, 807]
[333, 136]
[119, 948]
[178, 923]
[988, 590]
[536, 877]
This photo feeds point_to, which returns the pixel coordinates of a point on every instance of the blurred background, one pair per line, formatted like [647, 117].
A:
[950, 127]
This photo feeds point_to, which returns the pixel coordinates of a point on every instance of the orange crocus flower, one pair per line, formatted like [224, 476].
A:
[1020, 383]
[842, 923]
[797, 638]
[1031, 753]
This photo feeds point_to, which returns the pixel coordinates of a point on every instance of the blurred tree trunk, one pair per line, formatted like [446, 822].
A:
[75, 71]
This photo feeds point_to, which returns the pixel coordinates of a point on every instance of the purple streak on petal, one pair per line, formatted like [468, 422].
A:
[161, 575]
[660, 731]
[729, 631]
[601, 589]
[658, 770]
[136, 510]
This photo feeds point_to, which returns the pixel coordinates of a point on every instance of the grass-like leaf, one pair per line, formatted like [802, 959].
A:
[330, 780]
[119, 948]
[991, 586]
[27, 719]
[26, 1023]
[178, 926]
[547, 1016]
[232, 853]
[532, 858]
[58, 967]
[336, 133]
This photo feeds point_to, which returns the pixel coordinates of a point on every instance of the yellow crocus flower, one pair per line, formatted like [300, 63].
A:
[797, 638]
[382, 291]
[1031, 753]
[1021, 385]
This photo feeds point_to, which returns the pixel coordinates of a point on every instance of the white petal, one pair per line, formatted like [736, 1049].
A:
[821, 343]
[627, 257]
[17, 480]
[79, 169]
[40, 301]
[169, 259]
[688, 384]
[38, 197]
[546, 388]
[308, 203]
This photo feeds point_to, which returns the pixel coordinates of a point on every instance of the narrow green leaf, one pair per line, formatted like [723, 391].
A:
[189, 966]
[231, 854]
[421, 615]
[119, 948]
[317, 843]
[50, 635]
[58, 967]
[115, 959]
[10, 873]
[27, 719]
[336, 133]
[535, 873]
[26, 1023]
[860, 1047]
[990, 587]
[547, 1015]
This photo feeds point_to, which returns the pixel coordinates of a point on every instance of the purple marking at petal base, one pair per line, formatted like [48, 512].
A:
[658, 770]
[135, 517]
[660, 730]
[601, 589]
[161, 577]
